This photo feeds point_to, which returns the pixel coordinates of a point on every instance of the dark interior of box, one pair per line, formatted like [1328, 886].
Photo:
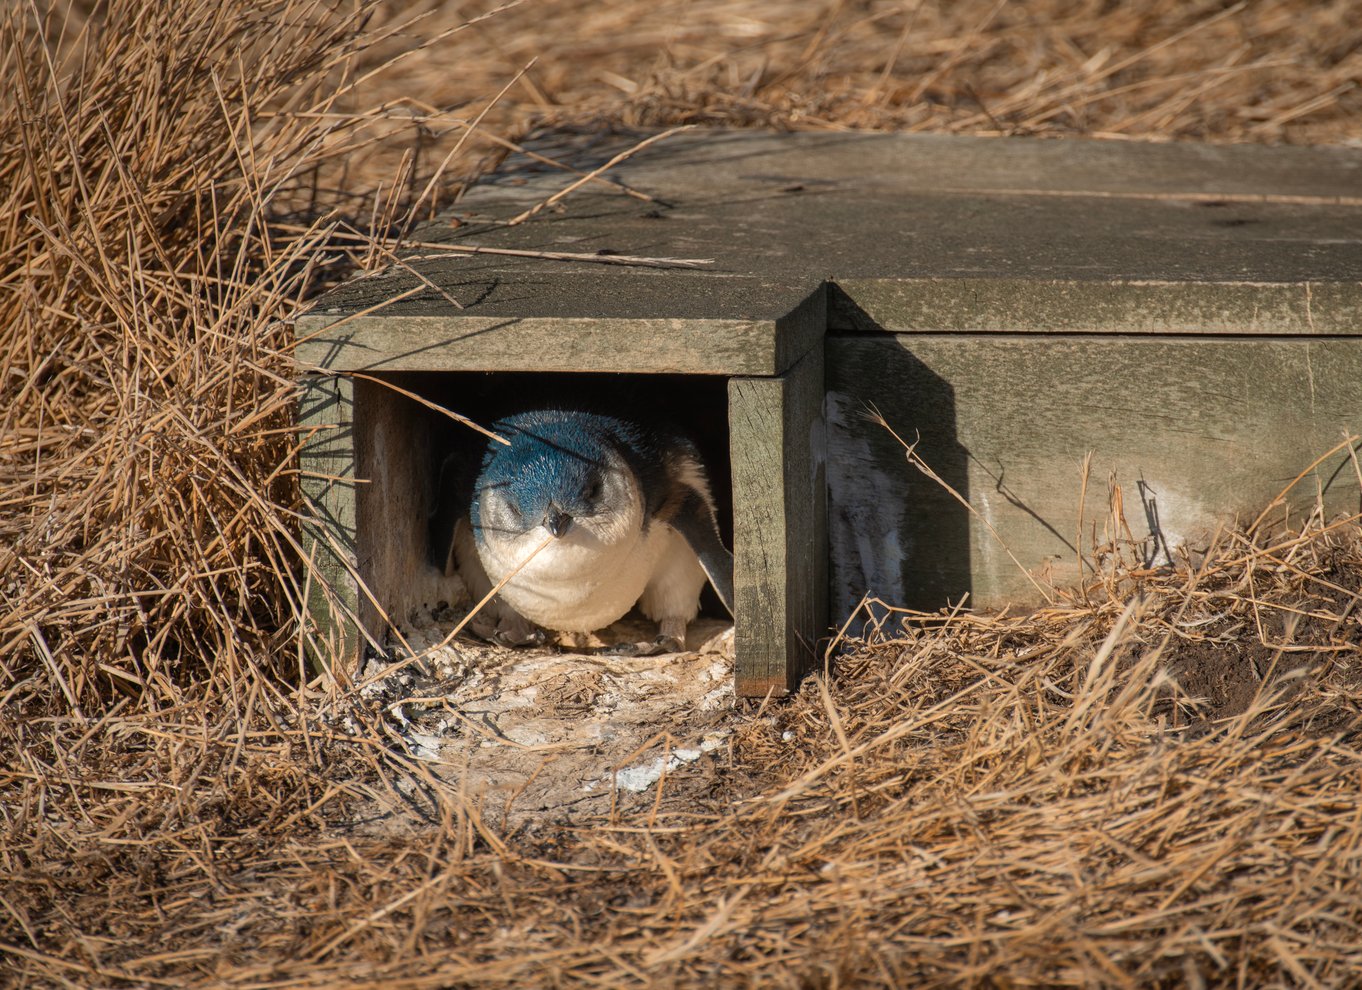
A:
[697, 405]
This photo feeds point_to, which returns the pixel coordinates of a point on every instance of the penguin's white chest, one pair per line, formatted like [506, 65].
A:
[578, 583]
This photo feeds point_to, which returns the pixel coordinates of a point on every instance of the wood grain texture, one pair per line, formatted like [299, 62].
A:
[366, 477]
[777, 446]
[396, 467]
[1028, 233]
[326, 420]
[1192, 430]
[1016, 305]
[714, 159]
[452, 342]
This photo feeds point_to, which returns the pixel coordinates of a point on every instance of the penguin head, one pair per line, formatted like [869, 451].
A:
[560, 476]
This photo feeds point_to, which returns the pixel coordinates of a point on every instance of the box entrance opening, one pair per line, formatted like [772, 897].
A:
[403, 440]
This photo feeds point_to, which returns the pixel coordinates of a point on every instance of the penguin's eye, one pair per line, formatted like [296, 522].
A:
[593, 490]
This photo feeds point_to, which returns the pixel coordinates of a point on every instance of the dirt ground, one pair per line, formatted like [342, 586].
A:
[544, 734]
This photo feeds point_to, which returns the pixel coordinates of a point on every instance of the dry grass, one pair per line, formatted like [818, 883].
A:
[1006, 801]
[1283, 71]
[1154, 783]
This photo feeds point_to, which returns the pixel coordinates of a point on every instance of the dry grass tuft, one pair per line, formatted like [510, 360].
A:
[1126, 790]
[146, 401]
[1153, 782]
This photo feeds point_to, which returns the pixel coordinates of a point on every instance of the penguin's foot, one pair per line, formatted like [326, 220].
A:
[662, 644]
[499, 624]
[671, 638]
[521, 637]
[579, 642]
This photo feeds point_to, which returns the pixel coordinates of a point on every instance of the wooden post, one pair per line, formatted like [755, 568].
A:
[776, 442]
[326, 421]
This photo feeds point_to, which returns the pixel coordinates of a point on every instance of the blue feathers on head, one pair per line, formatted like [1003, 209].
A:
[560, 456]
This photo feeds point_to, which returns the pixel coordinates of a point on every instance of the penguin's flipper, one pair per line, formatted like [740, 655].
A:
[694, 520]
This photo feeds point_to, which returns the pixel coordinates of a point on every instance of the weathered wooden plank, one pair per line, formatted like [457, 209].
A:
[326, 420]
[1193, 430]
[1019, 305]
[451, 342]
[367, 478]
[776, 442]
[780, 215]
[396, 466]
[717, 160]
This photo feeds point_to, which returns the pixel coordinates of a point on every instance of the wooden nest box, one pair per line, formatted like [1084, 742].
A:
[1182, 319]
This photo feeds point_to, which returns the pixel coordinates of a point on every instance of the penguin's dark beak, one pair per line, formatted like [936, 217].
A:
[556, 521]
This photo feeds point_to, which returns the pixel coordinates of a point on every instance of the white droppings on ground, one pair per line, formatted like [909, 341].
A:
[640, 778]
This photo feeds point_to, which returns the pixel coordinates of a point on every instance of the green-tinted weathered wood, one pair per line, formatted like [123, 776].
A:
[326, 418]
[1014, 305]
[776, 440]
[1193, 431]
[367, 477]
[716, 160]
[1019, 227]
[653, 346]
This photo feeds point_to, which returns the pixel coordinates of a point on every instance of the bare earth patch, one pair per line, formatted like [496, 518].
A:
[544, 733]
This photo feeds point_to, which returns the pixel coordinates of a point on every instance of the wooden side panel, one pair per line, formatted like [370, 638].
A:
[777, 446]
[1193, 430]
[368, 476]
[397, 468]
[1051, 306]
[893, 533]
[327, 462]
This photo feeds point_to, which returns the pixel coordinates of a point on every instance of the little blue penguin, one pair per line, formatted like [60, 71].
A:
[630, 514]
